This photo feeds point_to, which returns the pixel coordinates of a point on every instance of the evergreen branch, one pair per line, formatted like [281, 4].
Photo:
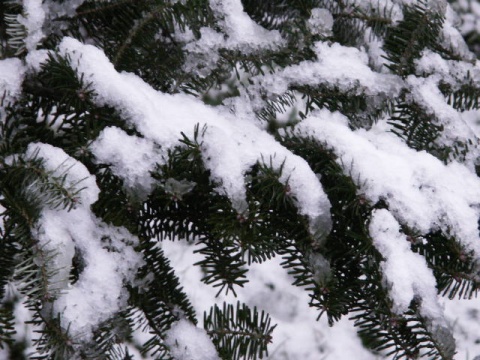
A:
[403, 44]
[114, 205]
[155, 346]
[412, 124]
[58, 81]
[39, 186]
[7, 325]
[108, 337]
[32, 278]
[8, 252]
[54, 341]
[350, 245]
[452, 265]
[164, 302]
[13, 33]
[239, 333]
[223, 265]
[361, 110]
[465, 97]
[154, 14]
[280, 104]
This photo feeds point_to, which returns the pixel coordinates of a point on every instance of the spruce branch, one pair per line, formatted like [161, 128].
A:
[239, 332]
[403, 43]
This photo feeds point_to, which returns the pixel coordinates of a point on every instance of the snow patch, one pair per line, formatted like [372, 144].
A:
[406, 273]
[12, 72]
[131, 158]
[231, 144]
[33, 19]
[337, 66]
[188, 342]
[409, 181]
[105, 252]
[243, 32]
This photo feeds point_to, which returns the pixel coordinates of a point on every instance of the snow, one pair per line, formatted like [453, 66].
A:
[242, 31]
[33, 19]
[230, 147]
[453, 39]
[464, 316]
[384, 168]
[12, 72]
[427, 94]
[188, 342]
[36, 58]
[235, 31]
[337, 66]
[406, 273]
[106, 252]
[298, 334]
[131, 158]
[321, 22]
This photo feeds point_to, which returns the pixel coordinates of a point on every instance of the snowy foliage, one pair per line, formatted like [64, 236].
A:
[328, 144]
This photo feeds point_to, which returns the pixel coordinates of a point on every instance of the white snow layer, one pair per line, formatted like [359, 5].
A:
[231, 145]
[131, 157]
[406, 272]
[337, 66]
[188, 342]
[241, 29]
[106, 252]
[12, 72]
[408, 276]
[33, 19]
[428, 95]
[409, 181]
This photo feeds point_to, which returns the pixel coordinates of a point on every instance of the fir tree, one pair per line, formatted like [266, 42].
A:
[332, 134]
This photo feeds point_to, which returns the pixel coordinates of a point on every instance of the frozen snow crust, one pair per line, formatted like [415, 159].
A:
[407, 190]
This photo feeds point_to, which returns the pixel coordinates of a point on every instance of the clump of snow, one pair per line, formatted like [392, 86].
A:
[238, 32]
[408, 277]
[242, 31]
[451, 36]
[230, 145]
[337, 66]
[406, 272]
[385, 168]
[202, 55]
[106, 252]
[376, 55]
[36, 58]
[320, 22]
[131, 158]
[450, 71]
[54, 237]
[110, 261]
[12, 72]
[55, 159]
[33, 19]
[426, 93]
[188, 342]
